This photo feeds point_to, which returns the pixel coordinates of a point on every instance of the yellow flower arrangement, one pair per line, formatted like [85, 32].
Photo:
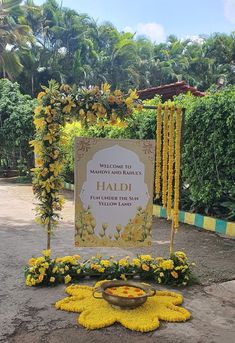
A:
[162, 306]
[44, 270]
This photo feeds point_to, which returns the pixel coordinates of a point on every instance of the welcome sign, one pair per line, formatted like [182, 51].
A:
[113, 192]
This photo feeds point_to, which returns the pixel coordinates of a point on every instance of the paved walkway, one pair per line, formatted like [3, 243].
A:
[28, 315]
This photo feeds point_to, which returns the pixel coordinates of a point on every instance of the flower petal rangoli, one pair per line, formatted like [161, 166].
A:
[97, 313]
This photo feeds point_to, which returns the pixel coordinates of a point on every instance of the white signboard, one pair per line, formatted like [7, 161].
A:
[113, 192]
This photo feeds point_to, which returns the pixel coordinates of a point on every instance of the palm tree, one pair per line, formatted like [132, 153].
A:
[12, 36]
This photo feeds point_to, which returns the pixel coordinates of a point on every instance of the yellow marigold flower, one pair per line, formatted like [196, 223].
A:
[55, 269]
[77, 257]
[40, 95]
[41, 277]
[42, 270]
[105, 263]
[100, 269]
[111, 99]
[123, 276]
[106, 87]
[40, 260]
[38, 162]
[32, 261]
[52, 279]
[167, 264]
[78, 271]
[67, 279]
[117, 92]
[133, 94]
[139, 107]
[174, 274]
[129, 101]
[49, 137]
[146, 257]
[145, 267]
[123, 262]
[39, 123]
[48, 110]
[136, 262]
[46, 253]
[180, 254]
[33, 281]
[66, 268]
[62, 270]
[28, 280]
[94, 266]
[45, 265]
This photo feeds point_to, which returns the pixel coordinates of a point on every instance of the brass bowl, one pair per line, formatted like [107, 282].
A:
[123, 302]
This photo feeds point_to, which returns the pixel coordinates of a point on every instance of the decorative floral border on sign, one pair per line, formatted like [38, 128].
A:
[137, 232]
[84, 145]
[147, 147]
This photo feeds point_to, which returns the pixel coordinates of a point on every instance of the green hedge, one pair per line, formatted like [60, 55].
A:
[16, 127]
[208, 154]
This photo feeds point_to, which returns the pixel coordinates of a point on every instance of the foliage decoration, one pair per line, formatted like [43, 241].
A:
[96, 313]
[56, 106]
[47, 271]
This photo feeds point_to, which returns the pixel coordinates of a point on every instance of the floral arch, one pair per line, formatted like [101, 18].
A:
[60, 104]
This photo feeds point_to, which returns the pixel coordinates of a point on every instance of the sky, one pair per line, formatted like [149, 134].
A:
[157, 19]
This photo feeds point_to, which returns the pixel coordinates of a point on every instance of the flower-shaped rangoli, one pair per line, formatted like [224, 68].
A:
[97, 313]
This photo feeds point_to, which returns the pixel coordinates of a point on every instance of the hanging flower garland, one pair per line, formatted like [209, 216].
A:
[57, 105]
[165, 157]
[170, 161]
[177, 167]
[158, 152]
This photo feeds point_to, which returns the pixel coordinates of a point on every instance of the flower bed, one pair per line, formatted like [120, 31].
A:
[46, 271]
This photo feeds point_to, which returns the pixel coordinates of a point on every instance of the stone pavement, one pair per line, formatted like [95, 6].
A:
[28, 315]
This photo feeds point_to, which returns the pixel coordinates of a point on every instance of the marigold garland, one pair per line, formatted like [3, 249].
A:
[165, 157]
[97, 313]
[177, 167]
[170, 161]
[158, 152]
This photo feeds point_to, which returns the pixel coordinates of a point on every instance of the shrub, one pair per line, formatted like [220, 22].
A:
[16, 127]
[208, 163]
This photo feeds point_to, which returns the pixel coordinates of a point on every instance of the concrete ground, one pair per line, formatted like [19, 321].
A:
[28, 315]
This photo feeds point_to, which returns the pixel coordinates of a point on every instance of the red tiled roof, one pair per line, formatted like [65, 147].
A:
[168, 91]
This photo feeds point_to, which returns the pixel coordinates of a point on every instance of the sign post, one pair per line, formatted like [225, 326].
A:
[113, 192]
